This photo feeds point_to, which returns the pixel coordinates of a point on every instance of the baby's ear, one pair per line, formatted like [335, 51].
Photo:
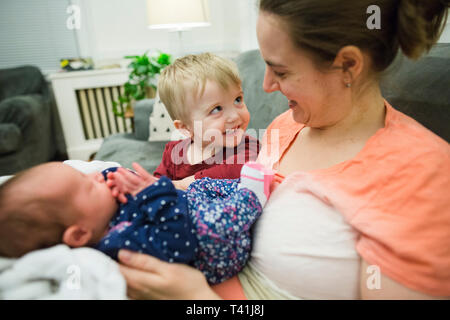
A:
[183, 128]
[77, 236]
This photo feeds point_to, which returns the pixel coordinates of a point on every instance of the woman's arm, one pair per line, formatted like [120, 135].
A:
[150, 278]
[385, 288]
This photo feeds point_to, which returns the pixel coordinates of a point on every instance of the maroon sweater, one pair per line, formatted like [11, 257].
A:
[226, 164]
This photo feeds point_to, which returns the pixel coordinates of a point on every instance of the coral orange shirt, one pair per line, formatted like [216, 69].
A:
[394, 193]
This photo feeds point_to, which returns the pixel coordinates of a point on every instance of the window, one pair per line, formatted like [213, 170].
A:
[35, 32]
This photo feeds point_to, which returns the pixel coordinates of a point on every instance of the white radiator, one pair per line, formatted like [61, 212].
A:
[84, 100]
[97, 117]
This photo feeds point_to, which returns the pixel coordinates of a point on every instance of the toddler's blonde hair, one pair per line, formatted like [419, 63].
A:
[188, 75]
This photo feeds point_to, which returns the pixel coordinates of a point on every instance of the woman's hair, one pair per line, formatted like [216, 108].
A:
[188, 75]
[323, 27]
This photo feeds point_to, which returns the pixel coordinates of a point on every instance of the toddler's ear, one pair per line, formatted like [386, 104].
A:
[77, 236]
[183, 128]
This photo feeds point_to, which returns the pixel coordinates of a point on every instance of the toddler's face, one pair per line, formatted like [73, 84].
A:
[219, 116]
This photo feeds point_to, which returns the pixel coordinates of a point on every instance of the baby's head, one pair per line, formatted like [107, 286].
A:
[204, 98]
[53, 203]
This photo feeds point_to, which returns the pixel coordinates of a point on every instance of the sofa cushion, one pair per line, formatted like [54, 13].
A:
[421, 89]
[21, 81]
[142, 110]
[161, 125]
[124, 149]
[10, 137]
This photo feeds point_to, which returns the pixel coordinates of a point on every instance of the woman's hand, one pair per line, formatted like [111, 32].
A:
[150, 278]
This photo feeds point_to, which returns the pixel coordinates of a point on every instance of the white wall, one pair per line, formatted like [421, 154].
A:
[111, 29]
[445, 37]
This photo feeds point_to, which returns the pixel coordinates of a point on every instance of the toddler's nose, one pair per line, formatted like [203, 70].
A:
[232, 116]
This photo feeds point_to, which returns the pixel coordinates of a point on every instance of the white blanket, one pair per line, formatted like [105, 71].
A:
[61, 273]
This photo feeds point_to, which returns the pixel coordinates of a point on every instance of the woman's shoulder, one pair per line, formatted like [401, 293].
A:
[404, 135]
[405, 204]
[406, 155]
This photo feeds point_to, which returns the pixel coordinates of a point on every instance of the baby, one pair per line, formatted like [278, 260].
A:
[204, 98]
[207, 226]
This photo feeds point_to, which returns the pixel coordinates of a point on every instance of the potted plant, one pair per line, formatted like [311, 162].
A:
[142, 81]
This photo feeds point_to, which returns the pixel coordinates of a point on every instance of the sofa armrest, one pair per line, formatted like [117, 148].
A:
[21, 81]
[21, 110]
[19, 118]
[142, 111]
[10, 138]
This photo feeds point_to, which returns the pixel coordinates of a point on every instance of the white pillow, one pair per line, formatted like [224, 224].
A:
[161, 126]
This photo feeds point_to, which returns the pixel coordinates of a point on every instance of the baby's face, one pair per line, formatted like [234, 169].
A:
[219, 116]
[88, 197]
[94, 200]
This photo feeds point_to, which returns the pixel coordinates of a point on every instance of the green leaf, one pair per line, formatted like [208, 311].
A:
[123, 99]
[142, 69]
[130, 87]
[164, 59]
[116, 110]
[139, 96]
[131, 57]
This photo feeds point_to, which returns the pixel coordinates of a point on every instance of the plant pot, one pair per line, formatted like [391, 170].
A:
[129, 110]
[150, 92]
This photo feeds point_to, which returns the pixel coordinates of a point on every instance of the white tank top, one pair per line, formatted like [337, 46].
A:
[304, 247]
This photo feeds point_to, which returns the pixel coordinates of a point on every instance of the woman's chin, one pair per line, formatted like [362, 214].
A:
[299, 116]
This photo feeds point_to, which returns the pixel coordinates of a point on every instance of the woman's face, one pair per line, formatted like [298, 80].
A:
[317, 99]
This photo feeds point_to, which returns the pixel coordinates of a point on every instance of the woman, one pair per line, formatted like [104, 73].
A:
[363, 211]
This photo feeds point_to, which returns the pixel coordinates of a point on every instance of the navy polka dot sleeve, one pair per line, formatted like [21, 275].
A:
[156, 222]
[208, 226]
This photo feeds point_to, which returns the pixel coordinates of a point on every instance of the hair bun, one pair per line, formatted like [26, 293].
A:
[420, 24]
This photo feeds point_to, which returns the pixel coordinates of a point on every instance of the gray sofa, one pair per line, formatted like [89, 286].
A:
[30, 129]
[420, 89]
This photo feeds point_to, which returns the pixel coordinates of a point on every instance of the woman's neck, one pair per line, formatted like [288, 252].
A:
[367, 115]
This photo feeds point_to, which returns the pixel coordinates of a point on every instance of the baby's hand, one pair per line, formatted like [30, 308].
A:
[124, 182]
[114, 182]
